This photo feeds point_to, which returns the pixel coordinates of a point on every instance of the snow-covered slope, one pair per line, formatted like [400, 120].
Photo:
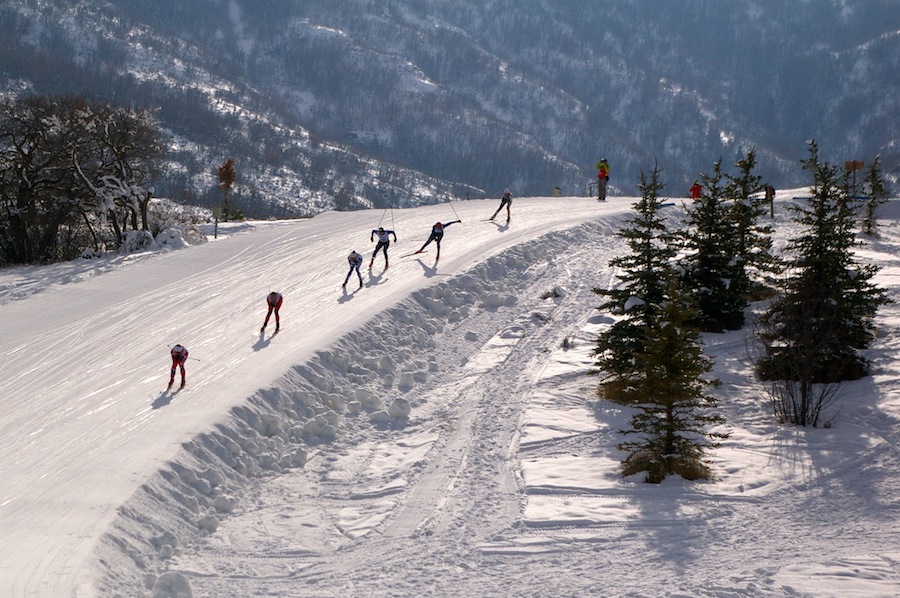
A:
[290, 466]
[84, 364]
[400, 101]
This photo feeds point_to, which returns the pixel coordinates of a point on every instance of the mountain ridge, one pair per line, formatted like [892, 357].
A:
[402, 102]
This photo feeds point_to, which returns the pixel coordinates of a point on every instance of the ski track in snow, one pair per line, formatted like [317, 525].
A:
[450, 445]
[459, 484]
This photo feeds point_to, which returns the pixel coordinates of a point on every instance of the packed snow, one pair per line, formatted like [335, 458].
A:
[435, 432]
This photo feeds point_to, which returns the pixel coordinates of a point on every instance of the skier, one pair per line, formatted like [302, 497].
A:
[602, 178]
[273, 301]
[384, 241]
[506, 200]
[696, 190]
[179, 355]
[437, 233]
[355, 260]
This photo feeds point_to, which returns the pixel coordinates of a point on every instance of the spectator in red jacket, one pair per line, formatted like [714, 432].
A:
[696, 190]
[602, 178]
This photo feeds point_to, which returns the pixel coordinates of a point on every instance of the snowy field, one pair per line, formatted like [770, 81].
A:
[431, 434]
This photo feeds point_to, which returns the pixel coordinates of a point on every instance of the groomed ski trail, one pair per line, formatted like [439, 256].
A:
[461, 489]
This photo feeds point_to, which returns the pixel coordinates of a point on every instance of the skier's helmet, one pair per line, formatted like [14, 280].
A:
[380, 229]
[506, 191]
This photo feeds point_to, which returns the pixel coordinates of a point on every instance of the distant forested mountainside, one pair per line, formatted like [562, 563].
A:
[356, 103]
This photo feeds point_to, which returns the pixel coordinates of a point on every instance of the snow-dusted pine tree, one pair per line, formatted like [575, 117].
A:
[815, 332]
[651, 357]
[753, 239]
[711, 270]
[638, 292]
[671, 428]
[877, 195]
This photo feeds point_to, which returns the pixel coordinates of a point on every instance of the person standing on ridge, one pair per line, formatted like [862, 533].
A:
[273, 301]
[506, 200]
[437, 233]
[602, 178]
[179, 355]
[384, 241]
[355, 260]
[696, 190]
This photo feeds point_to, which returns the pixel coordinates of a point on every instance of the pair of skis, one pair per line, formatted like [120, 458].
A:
[419, 252]
[344, 286]
[371, 266]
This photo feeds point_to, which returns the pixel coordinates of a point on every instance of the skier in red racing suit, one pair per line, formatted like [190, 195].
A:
[179, 356]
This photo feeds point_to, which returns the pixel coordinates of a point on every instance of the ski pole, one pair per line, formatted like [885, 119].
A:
[450, 201]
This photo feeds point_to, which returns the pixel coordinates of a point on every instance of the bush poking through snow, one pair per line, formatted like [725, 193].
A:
[400, 409]
[172, 585]
[554, 293]
[225, 504]
[209, 524]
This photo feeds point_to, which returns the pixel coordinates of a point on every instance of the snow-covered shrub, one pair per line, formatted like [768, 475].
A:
[137, 240]
[171, 238]
[208, 523]
[165, 214]
[172, 585]
[400, 408]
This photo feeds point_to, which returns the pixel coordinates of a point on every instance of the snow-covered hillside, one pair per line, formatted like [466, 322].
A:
[398, 102]
[432, 433]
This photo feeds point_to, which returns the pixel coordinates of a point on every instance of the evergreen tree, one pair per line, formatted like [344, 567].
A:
[874, 183]
[753, 240]
[651, 355]
[816, 330]
[710, 268]
[641, 288]
[672, 420]
[227, 176]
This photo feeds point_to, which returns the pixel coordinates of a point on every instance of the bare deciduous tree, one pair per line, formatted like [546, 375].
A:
[67, 168]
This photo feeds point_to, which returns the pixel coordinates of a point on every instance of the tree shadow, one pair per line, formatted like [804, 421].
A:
[663, 514]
